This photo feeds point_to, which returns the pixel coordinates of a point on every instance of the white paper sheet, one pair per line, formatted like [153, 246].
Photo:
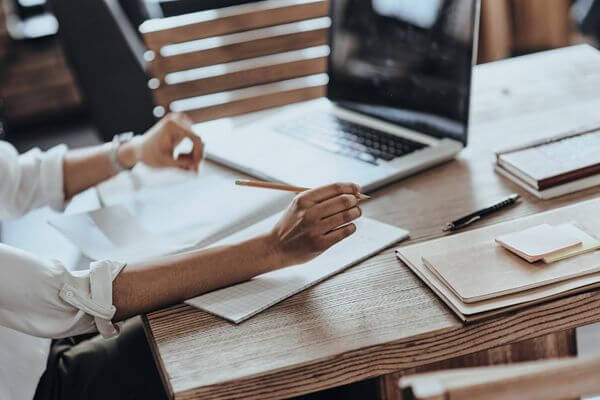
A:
[240, 302]
[168, 219]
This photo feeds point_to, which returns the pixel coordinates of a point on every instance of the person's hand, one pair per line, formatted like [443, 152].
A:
[155, 147]
[316, 220]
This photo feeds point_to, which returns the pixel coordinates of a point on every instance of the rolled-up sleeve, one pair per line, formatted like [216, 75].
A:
[42, 298]
[30, 180]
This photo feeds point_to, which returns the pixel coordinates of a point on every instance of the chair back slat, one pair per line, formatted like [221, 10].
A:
[251, 72]
[238, 59]
[256, 98]
[193, 26]
[239, 46]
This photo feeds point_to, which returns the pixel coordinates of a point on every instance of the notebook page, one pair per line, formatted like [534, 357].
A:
[167, 219]
[203, 209]
[240, 302]
[112, 233]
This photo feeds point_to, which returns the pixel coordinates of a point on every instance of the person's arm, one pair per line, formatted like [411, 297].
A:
[87, 167]
[43, 298]
[315, 221]
[29, 180]
[38, 178]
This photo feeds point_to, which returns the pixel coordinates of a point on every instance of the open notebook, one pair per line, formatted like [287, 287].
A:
[240, 302]
[161, 220]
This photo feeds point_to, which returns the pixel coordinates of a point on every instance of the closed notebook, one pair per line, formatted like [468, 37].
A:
[555, 163]
[485, 270]
[470, 312]
[584, 213]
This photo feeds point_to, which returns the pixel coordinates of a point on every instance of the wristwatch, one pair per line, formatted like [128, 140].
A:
[117, 141]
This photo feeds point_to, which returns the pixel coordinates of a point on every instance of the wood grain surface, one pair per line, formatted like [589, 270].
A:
[269, 99]
[377, 317]
[239, 46]
[182, 28]
[236, 75]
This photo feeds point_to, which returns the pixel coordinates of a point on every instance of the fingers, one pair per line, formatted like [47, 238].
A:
[315, 221]
[182, 119]
[339, 234]
[327, 218]
[198, 151]
[193, 158]
[323, 193]
[183, 162]
[332, 212]
[342, 218]
[334, 205]
[179, 127]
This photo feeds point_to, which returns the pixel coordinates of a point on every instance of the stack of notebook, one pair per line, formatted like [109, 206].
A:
[478, 278]
[551, 169]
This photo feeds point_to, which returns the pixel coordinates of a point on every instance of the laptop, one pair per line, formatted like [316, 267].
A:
[398, 99]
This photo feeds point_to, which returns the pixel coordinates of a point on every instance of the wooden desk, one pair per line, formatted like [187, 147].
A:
[378, 318]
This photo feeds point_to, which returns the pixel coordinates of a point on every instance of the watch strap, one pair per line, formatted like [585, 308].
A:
[117, 141]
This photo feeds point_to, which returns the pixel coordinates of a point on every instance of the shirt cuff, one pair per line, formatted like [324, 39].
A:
[52, 179]
[98, 303]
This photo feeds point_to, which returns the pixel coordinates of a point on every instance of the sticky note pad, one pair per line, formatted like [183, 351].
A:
[588, 243]
[535, 243]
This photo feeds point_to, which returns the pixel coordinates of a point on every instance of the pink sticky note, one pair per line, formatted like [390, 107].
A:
[537, 242]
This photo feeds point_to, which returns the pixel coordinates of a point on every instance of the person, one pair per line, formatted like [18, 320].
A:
[42, 299]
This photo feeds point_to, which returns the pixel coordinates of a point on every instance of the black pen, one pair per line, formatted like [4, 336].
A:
[477, 215]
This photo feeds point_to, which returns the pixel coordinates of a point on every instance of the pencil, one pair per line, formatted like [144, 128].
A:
[280, 186]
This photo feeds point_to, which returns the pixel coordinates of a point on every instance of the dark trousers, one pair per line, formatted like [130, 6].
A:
[90, 367]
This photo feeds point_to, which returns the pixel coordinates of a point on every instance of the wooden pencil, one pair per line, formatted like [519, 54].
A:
[280, 186]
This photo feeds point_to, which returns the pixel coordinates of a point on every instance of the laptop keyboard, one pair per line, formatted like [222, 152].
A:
[347, 138]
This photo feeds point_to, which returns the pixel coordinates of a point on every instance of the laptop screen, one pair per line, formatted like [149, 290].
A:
[405, 61]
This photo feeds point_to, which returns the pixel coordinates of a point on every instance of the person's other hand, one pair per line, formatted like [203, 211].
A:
[316, 220]
[155, 147]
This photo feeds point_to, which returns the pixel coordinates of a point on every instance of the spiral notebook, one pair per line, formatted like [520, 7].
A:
[240, 302]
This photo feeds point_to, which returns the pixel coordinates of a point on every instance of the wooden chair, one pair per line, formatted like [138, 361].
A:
[544, 380]
[238, 59]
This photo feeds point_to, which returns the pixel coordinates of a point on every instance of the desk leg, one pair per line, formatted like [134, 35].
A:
[561, 344]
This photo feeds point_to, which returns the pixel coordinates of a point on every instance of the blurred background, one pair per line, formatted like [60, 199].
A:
[75, 71]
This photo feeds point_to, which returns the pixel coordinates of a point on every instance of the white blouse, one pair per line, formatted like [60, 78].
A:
[40, 298]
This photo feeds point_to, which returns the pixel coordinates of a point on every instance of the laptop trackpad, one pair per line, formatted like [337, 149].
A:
[270, 155]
